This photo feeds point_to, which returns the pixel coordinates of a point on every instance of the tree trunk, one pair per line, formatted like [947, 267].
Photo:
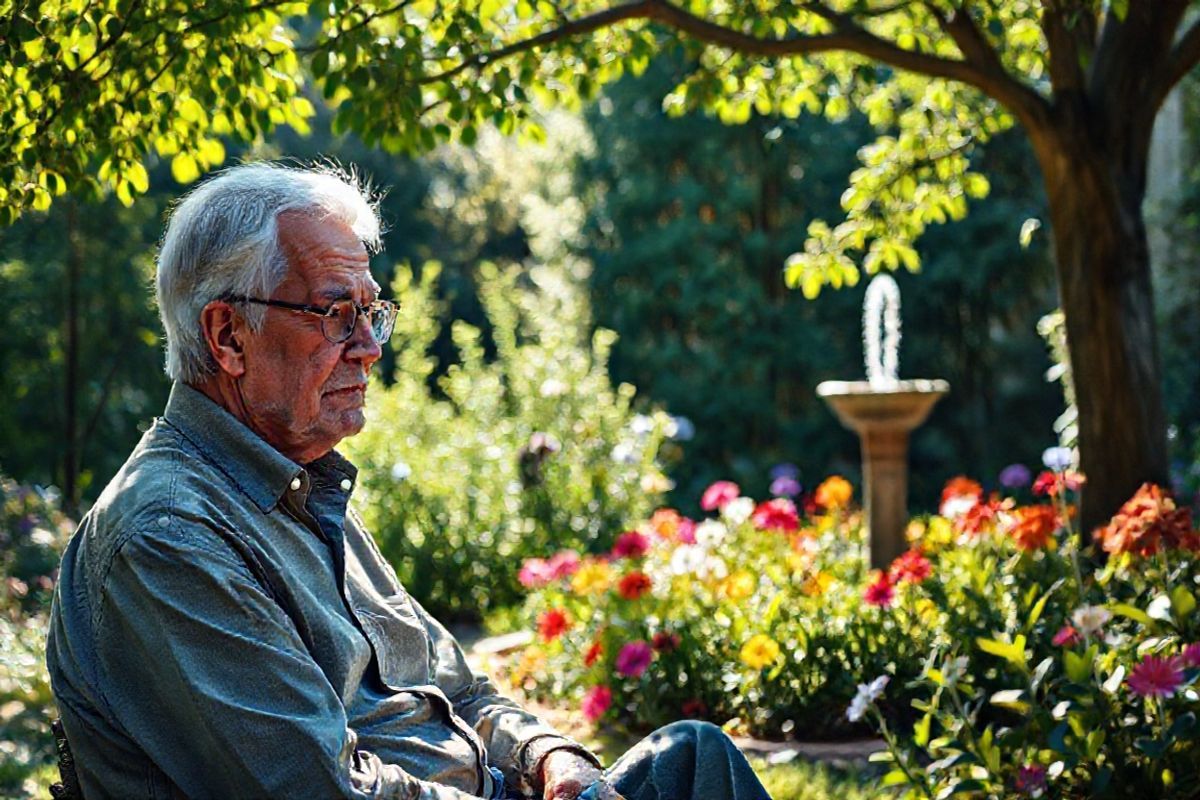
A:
[71, 365]
[1095, 192]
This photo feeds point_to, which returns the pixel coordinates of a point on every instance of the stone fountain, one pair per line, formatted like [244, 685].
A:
[883, 410]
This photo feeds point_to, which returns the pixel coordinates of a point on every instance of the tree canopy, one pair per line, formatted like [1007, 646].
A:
[88, 89]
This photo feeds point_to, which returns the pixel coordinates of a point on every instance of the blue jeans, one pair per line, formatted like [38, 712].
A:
[686, 761]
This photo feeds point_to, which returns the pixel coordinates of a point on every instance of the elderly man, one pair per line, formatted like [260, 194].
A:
[223, 625]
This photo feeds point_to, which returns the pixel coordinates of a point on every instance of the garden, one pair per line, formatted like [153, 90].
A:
[641, 251]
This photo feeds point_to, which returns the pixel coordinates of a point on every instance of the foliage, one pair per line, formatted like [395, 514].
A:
[32, 534]
[502, 458]
[1000, 627]
[688, 221]
[801, 780]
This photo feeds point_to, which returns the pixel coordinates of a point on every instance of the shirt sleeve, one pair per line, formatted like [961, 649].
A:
[210, 677]
[516, 740]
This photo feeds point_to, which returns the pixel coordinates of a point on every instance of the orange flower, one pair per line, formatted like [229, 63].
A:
[959, 495]
[1148, 522]
[1034, 526]
[834, 492]
[982, 517]
[665, 522]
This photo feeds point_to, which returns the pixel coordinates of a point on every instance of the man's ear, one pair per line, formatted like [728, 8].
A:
[224, 332]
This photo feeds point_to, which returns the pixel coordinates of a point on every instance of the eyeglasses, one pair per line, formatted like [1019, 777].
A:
[340, 317]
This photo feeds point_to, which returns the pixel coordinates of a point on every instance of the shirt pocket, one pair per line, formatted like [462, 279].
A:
[402, 646]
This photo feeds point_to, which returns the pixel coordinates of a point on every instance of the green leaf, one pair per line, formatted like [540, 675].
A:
[962, 787]
[1184, 726]
[1114, 681]
[184, 168]
[1013, 699]
[896, 777]
[1151, 747]
[1012, 652]
[1079, 665]
[921, 730]
[137, 176]
[1183, 602]
[1028, 228]
[1132, 612]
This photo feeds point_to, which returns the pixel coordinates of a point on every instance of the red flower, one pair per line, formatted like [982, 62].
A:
[1031, 780]
[1054, 483]
[881, 592]
[1148, 522]
[912, 566]
[1155, 677]
[665, 641]
[776, 515]
[631, 544]
[596, 701]
[694, 708]
[634, 585]
[634, 658]
[716, 496]
[553, 623]
[593, 654]
[958, 495]
[982, 517]
[1034, 526]
[1067, 636]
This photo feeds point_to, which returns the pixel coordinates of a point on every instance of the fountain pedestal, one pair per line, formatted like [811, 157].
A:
[883, 414]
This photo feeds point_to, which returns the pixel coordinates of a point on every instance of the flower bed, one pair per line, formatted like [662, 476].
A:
[1004, 653]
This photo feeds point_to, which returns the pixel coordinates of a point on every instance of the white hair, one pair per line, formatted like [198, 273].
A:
[222, 238]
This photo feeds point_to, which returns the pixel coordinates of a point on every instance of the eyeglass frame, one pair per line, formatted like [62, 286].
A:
[327, 312]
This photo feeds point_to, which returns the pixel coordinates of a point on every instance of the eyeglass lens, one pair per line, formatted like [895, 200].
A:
[338, 324]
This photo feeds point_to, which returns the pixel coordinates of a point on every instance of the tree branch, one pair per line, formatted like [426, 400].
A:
[1184, 56]
[1029, 107]
[1065, 73]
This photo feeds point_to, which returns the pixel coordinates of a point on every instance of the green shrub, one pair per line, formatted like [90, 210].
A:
[507, 455]
[32, 534]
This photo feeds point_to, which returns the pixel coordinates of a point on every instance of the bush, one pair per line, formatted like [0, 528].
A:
[32, 534]
[505, 456]
[1013, 653]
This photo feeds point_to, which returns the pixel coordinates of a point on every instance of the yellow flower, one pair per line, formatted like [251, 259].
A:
[656, 483]
[593, 577]
[927, 610]
[799, 562]
[816, 584]
[760, 651]
[834, 492]
[739, 585]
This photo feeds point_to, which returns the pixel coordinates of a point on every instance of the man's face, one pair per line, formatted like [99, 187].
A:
[303, 393]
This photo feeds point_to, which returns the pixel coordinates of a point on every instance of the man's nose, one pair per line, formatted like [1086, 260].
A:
[362, 346]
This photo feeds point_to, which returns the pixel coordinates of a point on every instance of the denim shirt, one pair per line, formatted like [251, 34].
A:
[224, 626]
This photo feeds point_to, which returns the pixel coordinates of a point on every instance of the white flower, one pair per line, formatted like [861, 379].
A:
[41, 537]
[1090, 620]
[400, 471]
[552, 387]
[738, 510]
[867, 694]
[641, 424]
[710, 533]
[956, 506]
[1058, 458]
[687, 559]
[623, 453]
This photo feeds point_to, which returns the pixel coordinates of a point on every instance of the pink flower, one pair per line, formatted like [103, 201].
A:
[1031, 780]
[1067, 636]
[776, 515]
[535, 573]
[631, 544]
[881, 592]
[716, 496]
[563, 564]
[687, 531]
[634, 658]
[912, 566]
[1155, 677]
[596, 701]
[1191, 655]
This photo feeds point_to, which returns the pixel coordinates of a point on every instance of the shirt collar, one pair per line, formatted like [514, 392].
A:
[258, 469]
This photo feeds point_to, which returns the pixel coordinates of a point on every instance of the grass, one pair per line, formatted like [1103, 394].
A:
[807, 780]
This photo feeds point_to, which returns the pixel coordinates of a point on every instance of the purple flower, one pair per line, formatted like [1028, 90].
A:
[634, 658]
[1015, 476]
[785, 470]
[1031, 780]
[785, 486]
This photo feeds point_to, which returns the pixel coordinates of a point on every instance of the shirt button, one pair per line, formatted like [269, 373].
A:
[346, 484]
[295, 484]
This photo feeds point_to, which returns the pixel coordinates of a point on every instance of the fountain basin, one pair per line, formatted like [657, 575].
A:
[883, 413]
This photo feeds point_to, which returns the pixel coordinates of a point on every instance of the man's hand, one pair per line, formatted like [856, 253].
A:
[566, 774]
